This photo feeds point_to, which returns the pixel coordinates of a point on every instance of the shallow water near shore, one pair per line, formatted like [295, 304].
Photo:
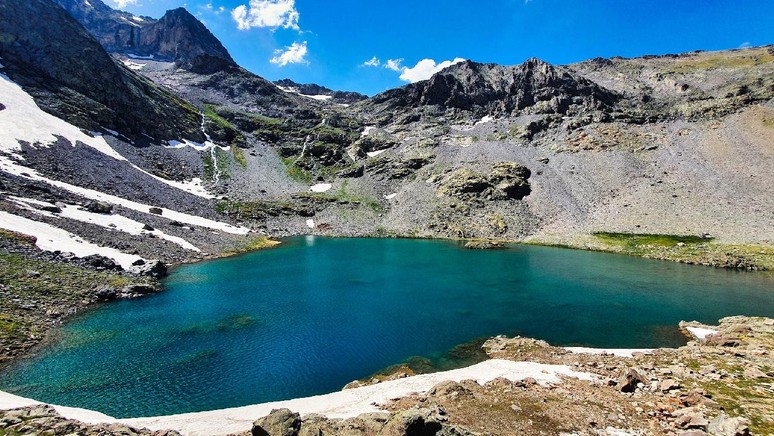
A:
[316, 313]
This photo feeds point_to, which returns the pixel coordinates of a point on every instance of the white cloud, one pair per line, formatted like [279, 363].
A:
[295, 54]
[373, 62]
[265, 13]
[424, 69]
[124, 3]
[394, 64]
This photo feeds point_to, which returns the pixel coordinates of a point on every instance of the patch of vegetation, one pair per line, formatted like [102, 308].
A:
[217, 167]
[221, 129]
[634, 240]
[684, 248]
[295, 172]
[710, 61]
[239, 156]
[343, 195]
[35, 291]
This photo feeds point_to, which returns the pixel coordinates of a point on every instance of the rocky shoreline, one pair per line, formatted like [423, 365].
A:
[719, 384]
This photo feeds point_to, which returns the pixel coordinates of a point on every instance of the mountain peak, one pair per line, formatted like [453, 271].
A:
[180, 36]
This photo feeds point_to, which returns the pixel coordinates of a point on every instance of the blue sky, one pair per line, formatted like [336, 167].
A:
[329, 41]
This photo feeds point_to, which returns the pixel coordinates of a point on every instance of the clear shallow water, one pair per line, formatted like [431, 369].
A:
[316, 313]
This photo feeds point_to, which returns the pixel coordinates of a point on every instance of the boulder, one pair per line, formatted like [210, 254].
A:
[156, 210]
[106, 294]
[628, 382]
[101, 263]
[138, 290]
[280, 422]
[722, 425]
[153, 268]
[99, 207]
[414, 422]
[351, 172]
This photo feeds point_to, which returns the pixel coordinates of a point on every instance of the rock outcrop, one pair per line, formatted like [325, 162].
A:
[532, 87]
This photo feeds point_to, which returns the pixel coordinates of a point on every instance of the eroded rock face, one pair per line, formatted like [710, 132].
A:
[534, 86]
[504, 181]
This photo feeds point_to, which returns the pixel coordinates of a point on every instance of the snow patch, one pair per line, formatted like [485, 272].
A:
[23, 120]
[375, 153]
[310, 223]
[390, 196]
[137, 19]
[50, 238]
[130, 22]
[109, 221]
[367, 131]
[484, 120]
[133, 65]
[297, 91]
[11, 167]
[700, 332]
[321, 187]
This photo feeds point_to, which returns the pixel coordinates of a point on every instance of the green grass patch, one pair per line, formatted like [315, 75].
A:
[239, 156]
[296, 173]
[633, 240]
[711, 61]
[209, 112]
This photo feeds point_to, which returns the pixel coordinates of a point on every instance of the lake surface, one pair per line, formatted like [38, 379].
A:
[316, 313]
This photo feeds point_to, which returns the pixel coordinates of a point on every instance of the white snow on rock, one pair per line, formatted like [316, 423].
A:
[109, 221]
[23, 120]
[375, 153]
[310, 223]
[390, 196]
[50, 238]
[136, 66]
[484, 120]
[297, 91]
[342, 404]
[321, 187]
[700, 332]
[11, 167]
[367, 131]
[138, 19]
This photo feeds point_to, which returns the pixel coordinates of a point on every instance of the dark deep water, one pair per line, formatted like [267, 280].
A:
[317, 313]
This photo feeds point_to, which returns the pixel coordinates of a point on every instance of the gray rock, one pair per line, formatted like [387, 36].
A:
[723, 425]
[414, 422]
[153, 268]
[99, 207]
[106, 294]
[280, 422]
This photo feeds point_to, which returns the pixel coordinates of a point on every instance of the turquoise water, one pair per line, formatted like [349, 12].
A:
[317, 313]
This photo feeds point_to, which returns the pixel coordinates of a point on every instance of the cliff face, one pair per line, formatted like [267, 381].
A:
[177, 37]
[495, 89]
[72, 77]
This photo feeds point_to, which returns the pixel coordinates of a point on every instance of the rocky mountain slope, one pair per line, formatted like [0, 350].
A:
[177, 37]
[317, 92]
